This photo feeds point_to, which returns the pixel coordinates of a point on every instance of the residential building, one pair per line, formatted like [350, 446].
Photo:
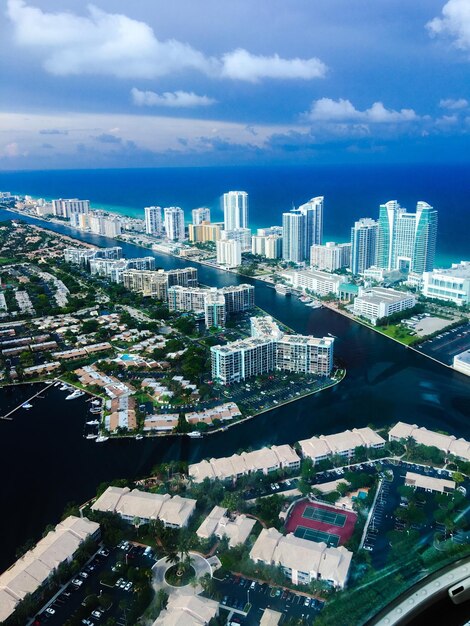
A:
[301, 229]
[331, 256]
[203, 214]
[407, 241]
[302, 560]
[174, 512]
[243, 235]
[238, 298]
[342, 444]
[153, 220]
[379, 302]
[214, 309]
[270, 349]
[315, 281]
[448, 444]
[229, 253]
[451, 284]
[101, 224]
[174, 223]
[149, 283]
[33, 570]
[364, 236]
[429, 483]
[461, 362]
[271, 230]
[184, 277]
[265, 460]
[235, 205]
[269, 246]
[79, 256]
[185, 609]
[66, 208]
[205, 231]
[236, 528]
[186, 298]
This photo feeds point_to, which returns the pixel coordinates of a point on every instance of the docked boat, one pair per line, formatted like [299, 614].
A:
[195, 434]
[75, 394]
[282, 290]
[139, 437]
[93, 423]
[26, 405]
[64, 387]
[101, 438]
[96, 402]
[91, 436]
[95, 410]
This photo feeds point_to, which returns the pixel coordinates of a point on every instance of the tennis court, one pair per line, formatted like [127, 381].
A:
[322, 515]
[313, 534]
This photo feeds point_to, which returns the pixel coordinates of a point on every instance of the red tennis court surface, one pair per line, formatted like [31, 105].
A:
[321, 517]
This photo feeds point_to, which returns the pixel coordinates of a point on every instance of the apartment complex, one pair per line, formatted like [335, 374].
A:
[173, 220]
[236, 528]
[330, 257]
[342, 444]
[229, 253]
[235, 204]
[301, 229]
[81, 256]
[67, 208]
[269, 246]
[205, 231]
[301, 560]
[321, 283]
[364, 237]
[200, 215]
[153, 220]
[270, 349]
[114, 270]
[446, 443]
[215, 310]
[174, 512]
[379, 302]
[451, 284]
[155, 283]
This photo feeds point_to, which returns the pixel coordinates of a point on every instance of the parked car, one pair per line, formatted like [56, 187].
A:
[50, 610]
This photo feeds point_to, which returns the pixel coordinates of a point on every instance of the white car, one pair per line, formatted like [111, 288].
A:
[50, 610]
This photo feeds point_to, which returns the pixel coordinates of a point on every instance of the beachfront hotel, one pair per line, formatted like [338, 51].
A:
[235, 210]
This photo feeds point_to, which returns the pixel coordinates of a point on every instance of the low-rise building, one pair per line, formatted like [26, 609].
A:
[342, 444]
[320, 283]
[301, 560]
[236, 528]
[33, 569]
[452, 284]
[187, 610]
[461, 362]
[174, 512]
[265, 460]
[378, 302]
[446, 443]
[429, 483]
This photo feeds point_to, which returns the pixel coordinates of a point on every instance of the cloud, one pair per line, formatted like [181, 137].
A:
[242, 65]
[113, 44]
[454, 105]
[176, 99]
[328, 110]
[100, 43]
[454, 23]
[107, 138]
[53, 131]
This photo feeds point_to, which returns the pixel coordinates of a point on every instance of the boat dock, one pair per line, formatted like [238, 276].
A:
[8, 417]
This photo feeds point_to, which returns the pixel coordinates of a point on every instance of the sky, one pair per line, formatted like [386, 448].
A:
[151, 83]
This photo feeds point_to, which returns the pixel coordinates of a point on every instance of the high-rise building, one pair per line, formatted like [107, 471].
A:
[65, 208]
[214, 309]
[203, 214]
[330, 257]
[301, 229]
[101, 224]
[271, 230]
[407, 241]
[174, 223]
[153, 220]
[206, 231]
[243, 235]
[269, 246]
[229, 253]
[364, 235]
[235, 210]
[238, 297]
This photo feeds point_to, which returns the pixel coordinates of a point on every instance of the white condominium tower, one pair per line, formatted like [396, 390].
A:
[203, 214]
[153, 220]
[407, 241]
[72, 206]
[235, 210]
[174, 223]
[364, 235]
[229, 252]
[301, 229]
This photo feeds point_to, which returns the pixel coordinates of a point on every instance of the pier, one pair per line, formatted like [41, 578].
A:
[8, 417]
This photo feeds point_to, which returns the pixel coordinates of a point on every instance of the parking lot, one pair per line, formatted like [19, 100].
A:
[238, 592]
[446, 345]
[97, 579]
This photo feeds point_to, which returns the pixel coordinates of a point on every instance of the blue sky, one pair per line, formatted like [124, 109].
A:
[151, 83]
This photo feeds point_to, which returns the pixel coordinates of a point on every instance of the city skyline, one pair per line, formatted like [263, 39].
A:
[178, 89]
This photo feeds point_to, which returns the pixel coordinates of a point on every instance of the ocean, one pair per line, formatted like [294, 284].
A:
[351, 192]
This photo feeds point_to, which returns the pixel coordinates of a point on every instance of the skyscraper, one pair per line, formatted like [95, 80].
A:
[364, 236]
[203, 214]
[229, 253]
[407, 241]
[153, 220]
[72, 206]
[174, 223]
[235, 210]
[301, 229]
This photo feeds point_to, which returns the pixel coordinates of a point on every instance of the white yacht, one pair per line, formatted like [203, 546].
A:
[75, 394]
[101, 438]
[26, 405]
[93, 423]
[195, 434]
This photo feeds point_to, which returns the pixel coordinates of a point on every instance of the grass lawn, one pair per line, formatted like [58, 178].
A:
[397, 332]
